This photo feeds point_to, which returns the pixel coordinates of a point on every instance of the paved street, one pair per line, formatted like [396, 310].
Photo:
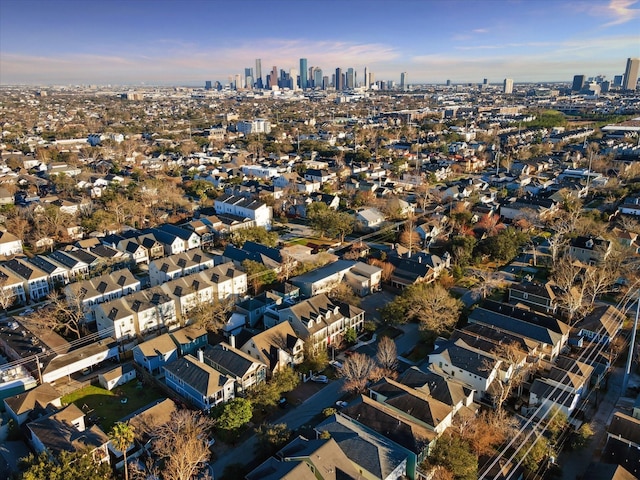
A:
[574, 463]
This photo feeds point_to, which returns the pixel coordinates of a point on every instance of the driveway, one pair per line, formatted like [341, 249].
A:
[371, 304]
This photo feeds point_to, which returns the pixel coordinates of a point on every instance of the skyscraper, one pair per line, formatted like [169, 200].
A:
[617, 80]
[293, 79]
[338, 82]
[507, 86]
[258, 76]
[317, 77]
[303, 73]
[631, 74]
[207, 85]
[366, 78]
[403, 80]
[578, 83]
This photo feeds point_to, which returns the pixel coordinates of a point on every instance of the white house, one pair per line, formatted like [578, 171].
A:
[9, 244]
[241, 207]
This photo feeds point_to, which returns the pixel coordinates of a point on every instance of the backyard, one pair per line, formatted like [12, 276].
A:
[107, 407]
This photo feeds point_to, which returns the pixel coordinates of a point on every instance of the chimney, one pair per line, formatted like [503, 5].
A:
[201, 356]
[232, 340]
[419, 258]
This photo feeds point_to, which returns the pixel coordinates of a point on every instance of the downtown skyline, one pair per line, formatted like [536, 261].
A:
[186, 43]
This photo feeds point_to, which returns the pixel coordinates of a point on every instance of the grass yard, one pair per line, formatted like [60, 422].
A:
[108, 405]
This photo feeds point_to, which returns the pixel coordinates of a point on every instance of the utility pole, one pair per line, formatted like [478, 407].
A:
[632, 344]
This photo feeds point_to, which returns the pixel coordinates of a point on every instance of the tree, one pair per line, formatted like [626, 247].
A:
[315, 359]
[258, 274]
[211, 315]
[7, 296]
[387, 355]
[516, 359]
[486, 431]
[453, 453]
[254, 234]
[65, 466]
[122, 436]
[65, 315]
[433, 307]
[538, 449]
[234, 414]
[350, 335]
[357, 370]
[581, 438]
[271, 436]
[343, 293]
[181, 444]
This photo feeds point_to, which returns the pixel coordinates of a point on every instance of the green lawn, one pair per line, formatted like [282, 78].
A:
[108, 404]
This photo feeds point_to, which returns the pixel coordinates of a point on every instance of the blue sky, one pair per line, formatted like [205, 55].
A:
[188, 42]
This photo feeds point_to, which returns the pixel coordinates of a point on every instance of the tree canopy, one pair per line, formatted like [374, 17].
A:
[66, 466]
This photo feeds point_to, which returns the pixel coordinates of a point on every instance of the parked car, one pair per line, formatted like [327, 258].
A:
[283, 403]
[335, 364]
[341, 404]
[319, 379]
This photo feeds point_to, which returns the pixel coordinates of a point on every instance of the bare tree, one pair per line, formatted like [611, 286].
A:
[387, 355]
[486, 431]
[211, 315]
[7, 297]
[66, 315]
[357, 370]
[515, 363]
[182, 445]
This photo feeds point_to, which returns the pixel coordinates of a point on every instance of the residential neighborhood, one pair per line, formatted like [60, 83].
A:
[325, 283]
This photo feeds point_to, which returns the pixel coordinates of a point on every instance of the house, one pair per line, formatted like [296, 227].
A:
[76, 268]
[190, 238]
[363, 278]
[416, 267]
[625, 428]
[103, 288]
[242, 208]
[136, 314]
[474, 367]
[630, 206]
[444, 388]
[369, 219]
[9, 244]
[233, 363]
[35, 282]
[117, 376]
[550, 334]
[227, 281]
[59, 274]
[256, 252]
[188, 293]
[154, 354]
[12, 287]
[370, 452]
[398, 427]
[601, 325]
[321, 321]
[199, 383]
[179, 265]
[39, 398]
[540, 297]
[589, 250]
[65, 430]
[189, 339]
[419, 404]
[277, 347]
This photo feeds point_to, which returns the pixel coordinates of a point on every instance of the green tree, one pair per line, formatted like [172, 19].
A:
[455, 455]
[258, 275]
[271, 436]
[581, 438]
[235, 414]
[254, 234]
[350, 335]
[315, 359]
[66, 466]
[121, 437]
[538, 449]
[319, 215]
[285, 379]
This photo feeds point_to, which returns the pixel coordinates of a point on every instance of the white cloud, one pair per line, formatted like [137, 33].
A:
[622, 12]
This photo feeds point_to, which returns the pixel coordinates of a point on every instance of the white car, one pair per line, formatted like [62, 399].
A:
[341, 404]
[335, 364]
[319, 379]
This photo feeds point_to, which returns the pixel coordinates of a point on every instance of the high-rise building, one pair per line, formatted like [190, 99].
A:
[207, 85]
[372, 79]
[578, 83]
[617, 80]
[303, 73]
[631, 74]
[448, 83]
[339, 80]
[237, 83]
[317, 77]
[293, 79]
[485, 82]
[258, 76]
[350, 78]
[403, 81]
[325, 82]
[507, 86]
[366, 78]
